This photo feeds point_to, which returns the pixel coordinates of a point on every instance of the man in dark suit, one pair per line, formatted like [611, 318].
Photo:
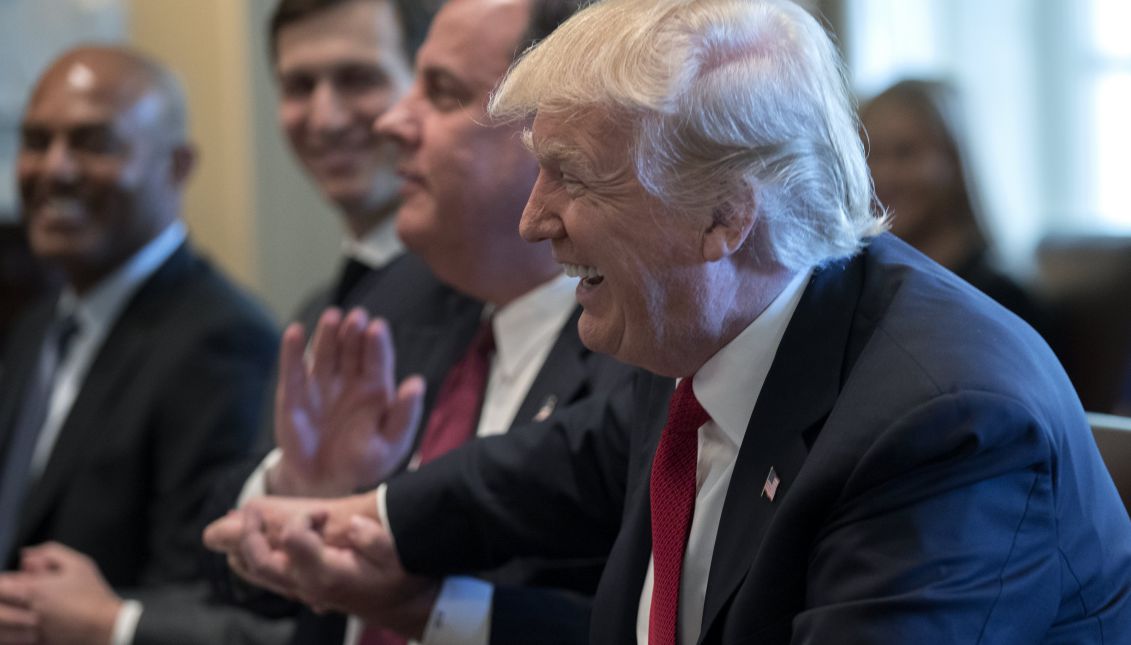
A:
[465, 187]
[129, 390]
[862, 448]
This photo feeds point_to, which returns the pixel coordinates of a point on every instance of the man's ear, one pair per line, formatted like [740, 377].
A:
[731, 225]
[184, 161]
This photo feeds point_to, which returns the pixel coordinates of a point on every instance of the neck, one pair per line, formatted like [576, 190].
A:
[739, 295]
[360, 223]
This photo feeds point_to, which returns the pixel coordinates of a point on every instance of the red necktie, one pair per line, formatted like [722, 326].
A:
[456, 414]
[452, 422]
[672, 493]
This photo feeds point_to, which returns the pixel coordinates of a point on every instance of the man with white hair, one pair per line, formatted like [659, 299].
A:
[862, 448]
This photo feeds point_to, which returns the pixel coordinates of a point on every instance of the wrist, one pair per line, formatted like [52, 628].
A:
[105, 620]
[410, 618]
[287, 480]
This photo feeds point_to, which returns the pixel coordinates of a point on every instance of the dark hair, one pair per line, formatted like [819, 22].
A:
[414, 17]
[545, 17]
[937, 103]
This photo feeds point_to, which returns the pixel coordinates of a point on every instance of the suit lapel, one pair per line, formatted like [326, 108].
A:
[21, 364]
[122, 350]
[800, 390]
[562, 379]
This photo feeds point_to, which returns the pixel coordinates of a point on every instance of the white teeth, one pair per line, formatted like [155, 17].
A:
[581, 271]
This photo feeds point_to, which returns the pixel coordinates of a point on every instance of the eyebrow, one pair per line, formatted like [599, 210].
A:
[556, 152]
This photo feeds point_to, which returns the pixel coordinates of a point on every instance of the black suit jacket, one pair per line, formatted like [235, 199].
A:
[536, 600]
[169, 399]
[939, 483]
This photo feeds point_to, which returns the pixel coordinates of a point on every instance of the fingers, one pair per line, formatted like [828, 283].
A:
[292, 372]
[257, 561]
[322, 573]
[223, 535]
[405, 412]
[351, 337]
[51, 556]
[371, 540]
[324, 347]
[379, 359]
[19, 625]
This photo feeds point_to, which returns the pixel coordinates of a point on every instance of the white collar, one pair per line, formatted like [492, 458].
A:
[522, 323]
[379, 246]
[728, 384]
[97, 310]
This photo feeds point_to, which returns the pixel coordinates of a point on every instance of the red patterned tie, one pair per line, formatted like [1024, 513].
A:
[672, 493]
[452, 422]
[456, 414]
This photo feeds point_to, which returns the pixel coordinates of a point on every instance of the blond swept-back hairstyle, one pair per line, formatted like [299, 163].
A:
[731, 103]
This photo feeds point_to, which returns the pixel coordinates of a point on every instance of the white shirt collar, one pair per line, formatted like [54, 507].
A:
[377, 247]
[522, 324]
[99, 308]
[725, 384]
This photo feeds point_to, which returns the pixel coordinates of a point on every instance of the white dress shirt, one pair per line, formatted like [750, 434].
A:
[727, 386]
[378, 247]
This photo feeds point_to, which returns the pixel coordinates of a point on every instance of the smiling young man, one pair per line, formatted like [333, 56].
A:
[339, 65]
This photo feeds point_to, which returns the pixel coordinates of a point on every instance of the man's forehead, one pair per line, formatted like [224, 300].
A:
[360, 32]
[475, 39]
[581, 132]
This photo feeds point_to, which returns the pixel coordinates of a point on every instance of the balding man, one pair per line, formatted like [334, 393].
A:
[128, 390]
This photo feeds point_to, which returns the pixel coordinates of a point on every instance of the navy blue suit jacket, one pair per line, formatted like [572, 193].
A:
[939, 483]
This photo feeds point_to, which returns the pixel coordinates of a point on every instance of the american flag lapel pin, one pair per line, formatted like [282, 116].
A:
[547, 408]
[770, 488]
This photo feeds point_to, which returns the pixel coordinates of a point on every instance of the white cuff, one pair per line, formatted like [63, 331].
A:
[383, 513]
[125, 625]
[462, 613]
[256, 484]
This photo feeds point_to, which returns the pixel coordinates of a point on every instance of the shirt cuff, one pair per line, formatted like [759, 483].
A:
[125, 625]
[256, 484]
[462, 613]
[383, 513]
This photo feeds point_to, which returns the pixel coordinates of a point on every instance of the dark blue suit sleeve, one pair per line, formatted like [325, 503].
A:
[944, 533]
[553, 490]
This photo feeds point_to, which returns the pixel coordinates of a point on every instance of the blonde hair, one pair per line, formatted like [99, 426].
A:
[731, 102]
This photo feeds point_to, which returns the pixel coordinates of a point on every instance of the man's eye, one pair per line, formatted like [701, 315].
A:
[445, 95]
[35, 140]
[572, 185]
[296, 87]
[357, 80]
[94, 141]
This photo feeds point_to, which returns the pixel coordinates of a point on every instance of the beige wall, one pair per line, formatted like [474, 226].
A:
[204, 41]
[248, 207]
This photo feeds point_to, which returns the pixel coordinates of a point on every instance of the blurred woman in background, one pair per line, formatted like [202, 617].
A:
[916, 155]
